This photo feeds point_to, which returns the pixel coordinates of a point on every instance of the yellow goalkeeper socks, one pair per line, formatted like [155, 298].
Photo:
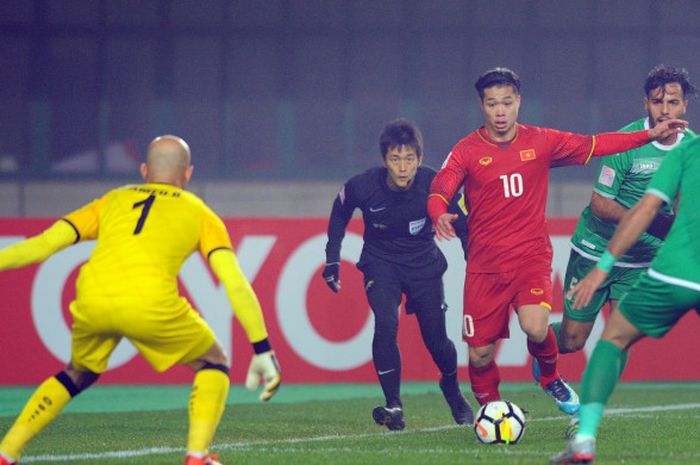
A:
[207, 402]
[42, 408]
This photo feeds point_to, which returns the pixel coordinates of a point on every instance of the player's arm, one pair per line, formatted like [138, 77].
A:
[443, 188]
[458, 206]
[614, 142]
[607, 209]
[38, 248]
[633, 224]
[612, 212]
[249, 313]
[341, 212]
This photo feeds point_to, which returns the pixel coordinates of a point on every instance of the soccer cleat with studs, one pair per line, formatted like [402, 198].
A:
[565, 397]
[392, 418]
[460, 408]
[208, 459]
[582, 451]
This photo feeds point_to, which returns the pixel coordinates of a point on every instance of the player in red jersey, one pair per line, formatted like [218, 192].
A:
[504, 167]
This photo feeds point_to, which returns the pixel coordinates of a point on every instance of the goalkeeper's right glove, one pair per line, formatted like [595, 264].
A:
[661, 225]
[331, 274]
[264, 366]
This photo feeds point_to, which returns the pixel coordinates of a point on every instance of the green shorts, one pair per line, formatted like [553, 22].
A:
[620, 280]
[654, 306]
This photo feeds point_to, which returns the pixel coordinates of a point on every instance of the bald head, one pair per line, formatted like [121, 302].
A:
[168, 161]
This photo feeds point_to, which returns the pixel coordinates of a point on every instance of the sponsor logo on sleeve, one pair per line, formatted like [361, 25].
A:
[607, 176]
[341, 194]
[527, 155]
[536, 291]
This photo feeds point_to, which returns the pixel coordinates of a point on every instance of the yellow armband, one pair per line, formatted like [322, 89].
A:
[240, 294]
[38, 248]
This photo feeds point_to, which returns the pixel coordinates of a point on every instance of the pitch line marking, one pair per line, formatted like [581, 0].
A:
[331, 437]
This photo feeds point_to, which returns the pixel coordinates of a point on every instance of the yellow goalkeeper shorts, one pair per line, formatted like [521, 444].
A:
[165, 336]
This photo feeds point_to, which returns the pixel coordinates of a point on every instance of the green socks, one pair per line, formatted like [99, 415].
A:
[599, 381]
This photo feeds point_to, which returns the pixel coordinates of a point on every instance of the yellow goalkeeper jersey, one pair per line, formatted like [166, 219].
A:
[144, 234]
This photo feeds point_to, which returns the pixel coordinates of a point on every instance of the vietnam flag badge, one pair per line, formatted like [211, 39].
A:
[527, 155]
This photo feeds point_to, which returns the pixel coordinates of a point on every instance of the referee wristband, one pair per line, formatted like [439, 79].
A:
[606, 262]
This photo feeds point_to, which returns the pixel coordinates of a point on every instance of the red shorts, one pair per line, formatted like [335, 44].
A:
[488, 298]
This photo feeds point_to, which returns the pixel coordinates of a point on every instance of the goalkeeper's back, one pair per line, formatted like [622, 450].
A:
[144, 234]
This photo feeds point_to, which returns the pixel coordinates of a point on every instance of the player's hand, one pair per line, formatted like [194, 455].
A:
[582, 293]
[667, 128]
[661, 225]
[443, 227]
[331, 274]
[264, 367]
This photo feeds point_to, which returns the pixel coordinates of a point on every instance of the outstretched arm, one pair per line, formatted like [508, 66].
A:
[247, 309]
[38, 248]
[633, 224]
[608, 143]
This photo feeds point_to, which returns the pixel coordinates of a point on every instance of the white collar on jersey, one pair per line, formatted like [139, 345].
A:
[662, 146]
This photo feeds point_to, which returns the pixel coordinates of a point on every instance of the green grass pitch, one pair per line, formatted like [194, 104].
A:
[655, 423]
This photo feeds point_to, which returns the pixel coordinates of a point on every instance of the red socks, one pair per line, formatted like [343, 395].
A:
[546, 353]
[485, 381]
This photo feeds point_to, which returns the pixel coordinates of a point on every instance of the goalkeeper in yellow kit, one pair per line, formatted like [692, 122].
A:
[128, 288]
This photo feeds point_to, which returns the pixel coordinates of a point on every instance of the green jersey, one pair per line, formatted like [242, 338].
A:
[624, 177]
[678, 261]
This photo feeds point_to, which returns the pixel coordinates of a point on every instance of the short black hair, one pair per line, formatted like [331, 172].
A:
[499, 77]
[661, 75]
[400, 132]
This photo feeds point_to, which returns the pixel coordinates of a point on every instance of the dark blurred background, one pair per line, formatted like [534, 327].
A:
[281, 90]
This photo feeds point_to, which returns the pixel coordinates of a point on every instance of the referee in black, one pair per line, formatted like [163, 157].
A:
[399, 256]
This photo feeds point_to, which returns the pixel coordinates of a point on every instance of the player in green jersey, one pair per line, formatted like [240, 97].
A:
[621, 182]
[664, 293]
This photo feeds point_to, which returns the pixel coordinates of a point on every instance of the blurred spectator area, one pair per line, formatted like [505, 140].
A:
[297, 91]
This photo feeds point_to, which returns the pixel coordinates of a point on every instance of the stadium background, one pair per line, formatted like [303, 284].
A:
[281, 101]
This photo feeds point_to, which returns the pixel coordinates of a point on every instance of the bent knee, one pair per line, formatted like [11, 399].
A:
[215, 356]
[480, 356]
[75, 380]
[570, 345]
[535, 332]
[572, 338]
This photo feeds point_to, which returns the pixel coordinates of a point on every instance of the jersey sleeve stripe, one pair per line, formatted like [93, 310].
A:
[659, 194]
[442, 197]
[77, 233]
[217, 248]
[590, 154]
[607, 195]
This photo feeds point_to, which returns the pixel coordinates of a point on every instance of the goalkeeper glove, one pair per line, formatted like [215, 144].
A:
[661, 225]
[264, 366]
[331, 274]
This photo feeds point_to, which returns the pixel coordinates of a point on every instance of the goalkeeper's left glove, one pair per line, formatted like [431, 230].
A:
[264, 366]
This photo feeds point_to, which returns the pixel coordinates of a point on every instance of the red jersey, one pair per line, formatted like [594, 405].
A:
[505, 187]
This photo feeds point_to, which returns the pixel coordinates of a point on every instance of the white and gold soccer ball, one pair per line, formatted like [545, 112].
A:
[499, 422]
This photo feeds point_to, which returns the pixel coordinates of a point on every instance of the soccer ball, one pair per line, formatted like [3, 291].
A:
[499, 422]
